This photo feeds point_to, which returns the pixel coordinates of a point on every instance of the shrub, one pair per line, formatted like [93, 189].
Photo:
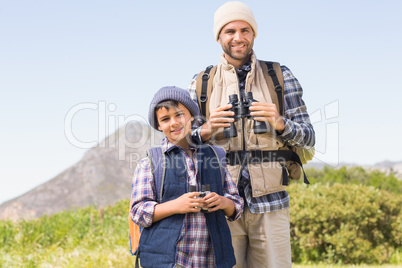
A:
[356, 175]
[344, 224]
[332, 223]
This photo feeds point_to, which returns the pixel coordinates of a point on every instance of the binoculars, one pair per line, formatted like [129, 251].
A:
[205, 190]
[241, 110]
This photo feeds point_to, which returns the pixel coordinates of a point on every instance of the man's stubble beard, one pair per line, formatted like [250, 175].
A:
[227, 50]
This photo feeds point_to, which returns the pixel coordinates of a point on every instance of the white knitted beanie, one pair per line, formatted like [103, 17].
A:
[232, 11]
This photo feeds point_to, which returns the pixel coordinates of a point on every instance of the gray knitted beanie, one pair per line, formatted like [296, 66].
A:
[171, 93]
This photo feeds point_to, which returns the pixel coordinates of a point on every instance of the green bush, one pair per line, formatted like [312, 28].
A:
[331, 222]
[355, 175]
[343, 223]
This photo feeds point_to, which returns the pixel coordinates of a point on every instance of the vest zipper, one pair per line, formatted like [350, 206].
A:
[242, 122]
[244, 136]
[241, 99]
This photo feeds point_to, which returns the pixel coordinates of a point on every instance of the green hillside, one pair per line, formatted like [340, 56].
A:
[346, 216]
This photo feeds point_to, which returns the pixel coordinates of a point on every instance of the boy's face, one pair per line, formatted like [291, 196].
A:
[175, 123]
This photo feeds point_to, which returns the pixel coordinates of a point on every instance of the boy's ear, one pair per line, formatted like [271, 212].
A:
[159, 127]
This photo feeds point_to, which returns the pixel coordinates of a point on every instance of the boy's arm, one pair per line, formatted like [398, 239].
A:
[145, 210]
[143, 195]
[215, 202]
[231, 202]
[187, 203]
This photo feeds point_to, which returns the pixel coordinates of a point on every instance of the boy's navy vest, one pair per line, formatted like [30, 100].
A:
[158, 242]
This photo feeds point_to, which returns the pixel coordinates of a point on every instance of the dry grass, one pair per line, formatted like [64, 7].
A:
[344, 266]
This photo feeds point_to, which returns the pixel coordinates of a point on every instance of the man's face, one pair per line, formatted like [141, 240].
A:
[175, 123]
[237, 40]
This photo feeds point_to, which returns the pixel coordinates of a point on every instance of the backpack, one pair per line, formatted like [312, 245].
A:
[155, 155]
[157, 159]
[272, 72]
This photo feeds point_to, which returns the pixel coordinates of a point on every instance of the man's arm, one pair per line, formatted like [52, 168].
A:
[217, 119]
[298, 130]
[295, 126]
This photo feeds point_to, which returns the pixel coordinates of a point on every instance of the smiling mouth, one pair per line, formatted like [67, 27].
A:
[238, 46]
[177, 130]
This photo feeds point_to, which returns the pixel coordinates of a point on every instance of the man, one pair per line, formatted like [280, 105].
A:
[261, 238]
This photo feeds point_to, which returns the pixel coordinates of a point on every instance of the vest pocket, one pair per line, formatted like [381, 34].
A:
[295, 171]
[234, 172]
[266, 178]
[268, 141]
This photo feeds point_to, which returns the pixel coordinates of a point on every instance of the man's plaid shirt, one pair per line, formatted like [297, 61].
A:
[298, 132]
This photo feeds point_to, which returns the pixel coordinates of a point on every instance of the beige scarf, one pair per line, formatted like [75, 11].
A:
[226, 83]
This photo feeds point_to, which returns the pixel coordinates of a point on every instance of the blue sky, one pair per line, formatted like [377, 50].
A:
[110, 57]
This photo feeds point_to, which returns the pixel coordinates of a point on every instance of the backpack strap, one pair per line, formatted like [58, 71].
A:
[134, 232]
[137, 259]
[204, 89]
[272, 72]
[221, 155]
[157, 161]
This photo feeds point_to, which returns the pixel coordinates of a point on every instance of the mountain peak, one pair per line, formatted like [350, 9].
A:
[102, 177]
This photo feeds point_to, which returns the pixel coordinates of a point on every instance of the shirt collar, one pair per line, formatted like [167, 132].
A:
[167, 145]
[245, 68]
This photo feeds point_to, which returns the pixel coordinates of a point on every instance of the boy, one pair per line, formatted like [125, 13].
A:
[177, 233]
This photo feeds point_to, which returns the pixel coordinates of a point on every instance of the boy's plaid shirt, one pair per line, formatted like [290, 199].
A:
[194, 248]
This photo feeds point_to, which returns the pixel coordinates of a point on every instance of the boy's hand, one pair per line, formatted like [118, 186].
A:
[214, 202]
[188, 203]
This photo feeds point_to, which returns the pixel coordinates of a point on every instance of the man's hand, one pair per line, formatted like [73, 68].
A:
[268, 112]
[220, 117]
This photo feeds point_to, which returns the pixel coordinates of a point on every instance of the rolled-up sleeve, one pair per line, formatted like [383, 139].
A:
[230, 191]
[197, 123]
[143, 195]
[298, 128]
